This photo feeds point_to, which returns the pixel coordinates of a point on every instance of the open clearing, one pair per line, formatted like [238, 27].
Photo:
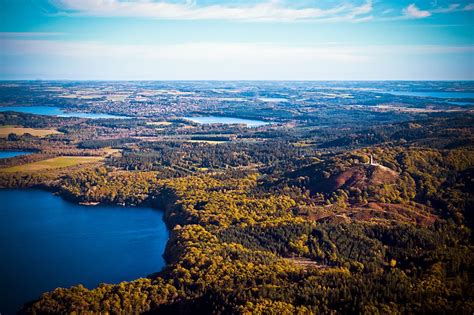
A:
[306, 263]
[207, 141]
[6, 130]
[53, 163]
[112, 152]
[159, 123]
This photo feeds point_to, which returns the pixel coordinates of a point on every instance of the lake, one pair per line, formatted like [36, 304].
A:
[56, 111]
[48, 242]
[226, 120]
[433, 94]
[9, 154]
[272, 99]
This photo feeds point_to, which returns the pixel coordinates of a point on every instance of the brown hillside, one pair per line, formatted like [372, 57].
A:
[373, 212]
[362, 176]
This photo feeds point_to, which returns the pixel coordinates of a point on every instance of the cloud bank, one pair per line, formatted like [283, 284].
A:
[272, 10]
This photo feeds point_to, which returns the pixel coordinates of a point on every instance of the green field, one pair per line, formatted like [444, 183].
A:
[53, 163]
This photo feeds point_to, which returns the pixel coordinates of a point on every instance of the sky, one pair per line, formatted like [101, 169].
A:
[236, 40]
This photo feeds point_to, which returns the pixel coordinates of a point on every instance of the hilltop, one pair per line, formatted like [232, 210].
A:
[361, 177]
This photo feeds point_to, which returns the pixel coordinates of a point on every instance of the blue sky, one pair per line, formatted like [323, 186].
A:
[237, 40]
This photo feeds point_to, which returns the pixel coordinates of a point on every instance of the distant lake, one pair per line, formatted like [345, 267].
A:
[226, 120]
[272, 99]
[461, 103]
[433, 94]
[56, 111]
[47, 242]
[9, 154]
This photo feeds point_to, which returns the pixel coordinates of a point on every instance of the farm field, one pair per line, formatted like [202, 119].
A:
[53, 163]
[19, 131]
[159, 123]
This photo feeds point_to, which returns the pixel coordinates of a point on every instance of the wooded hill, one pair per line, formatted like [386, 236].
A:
[244, 244]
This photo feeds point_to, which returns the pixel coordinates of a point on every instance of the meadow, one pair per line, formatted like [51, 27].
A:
[53, 163]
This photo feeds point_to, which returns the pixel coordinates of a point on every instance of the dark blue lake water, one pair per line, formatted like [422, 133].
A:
[9, 154]
[56, 111]
[47, 242]
[226, 120]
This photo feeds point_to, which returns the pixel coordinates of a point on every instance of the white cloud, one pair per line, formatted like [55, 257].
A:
[413, 11]
[272, 10]
[451, 8]
[469, 7]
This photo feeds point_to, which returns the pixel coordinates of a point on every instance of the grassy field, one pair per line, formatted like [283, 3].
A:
[207, 141]
[53, 163]
[6, 130]
[159, 123]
